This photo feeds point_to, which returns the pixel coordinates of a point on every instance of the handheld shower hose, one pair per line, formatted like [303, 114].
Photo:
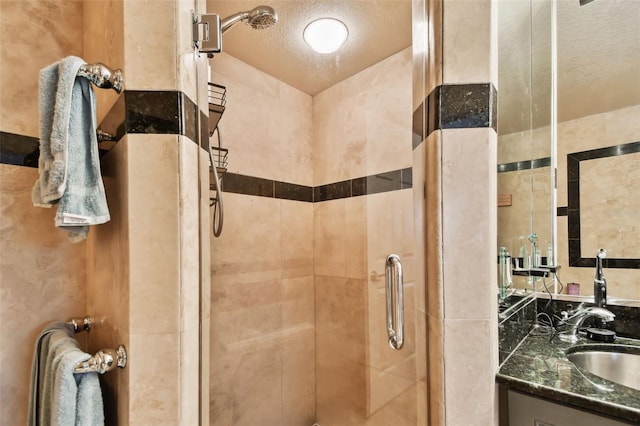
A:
[218, 212]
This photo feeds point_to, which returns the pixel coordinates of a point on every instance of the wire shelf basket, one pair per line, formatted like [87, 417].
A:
[220, 159]
[217, 97]
[219, 156]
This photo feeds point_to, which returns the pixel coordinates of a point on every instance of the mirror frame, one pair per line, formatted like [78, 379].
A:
[573, 206]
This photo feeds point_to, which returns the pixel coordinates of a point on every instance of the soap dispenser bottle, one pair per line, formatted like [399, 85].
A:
[502, 272]
[508, 272]
[550, 254]
[524, 255]
[535, 252]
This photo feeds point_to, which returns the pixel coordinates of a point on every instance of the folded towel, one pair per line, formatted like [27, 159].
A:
[69, 161]
[64, 397]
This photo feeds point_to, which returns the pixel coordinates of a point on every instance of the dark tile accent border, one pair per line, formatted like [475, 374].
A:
[19, 150]
[573, 208]
[248, 185]
[406, 178]
[153, 112]
[291, 191]
[384, 182]
[135, 111]
[417, 126]
[456, 106]
[524, 165]
[337, 190]
[204, 130]
[464, 106]
[372, 184]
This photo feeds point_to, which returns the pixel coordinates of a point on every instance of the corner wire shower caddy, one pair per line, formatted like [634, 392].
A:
[217, 96]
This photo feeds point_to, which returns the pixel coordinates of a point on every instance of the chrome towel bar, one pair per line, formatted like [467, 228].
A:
[104, 360]
[103, 76]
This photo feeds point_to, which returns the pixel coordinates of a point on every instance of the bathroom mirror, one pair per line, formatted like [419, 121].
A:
[597, 137]
[598, 143]
[526, 209]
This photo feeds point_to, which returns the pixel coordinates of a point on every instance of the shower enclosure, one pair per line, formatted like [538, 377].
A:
[318, 193]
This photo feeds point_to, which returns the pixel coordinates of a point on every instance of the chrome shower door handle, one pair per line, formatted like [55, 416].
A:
[395, 311]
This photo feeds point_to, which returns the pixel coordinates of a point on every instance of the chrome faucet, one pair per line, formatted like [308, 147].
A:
[599, 282]
[577, 319]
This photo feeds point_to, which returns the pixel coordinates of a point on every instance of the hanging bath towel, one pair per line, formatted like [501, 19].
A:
[69, 164]
[60, 397]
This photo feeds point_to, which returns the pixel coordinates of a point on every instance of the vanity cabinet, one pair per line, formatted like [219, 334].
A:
[525, 410]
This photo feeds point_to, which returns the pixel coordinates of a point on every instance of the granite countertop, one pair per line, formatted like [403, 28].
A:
[540, 367]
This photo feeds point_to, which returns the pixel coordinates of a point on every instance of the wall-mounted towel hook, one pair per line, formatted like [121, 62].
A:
[104, 361]
[102, 76]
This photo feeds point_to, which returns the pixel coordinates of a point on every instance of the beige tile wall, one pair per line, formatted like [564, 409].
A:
[38, 33]
[469, 226]
[164, 219]
[108, 281]
[352, 238]
[282, 310]
[42, 279]
[524, 145]
[270, 325]
[145, 281]
[134, 266]
[266, 125]
[262, 314]
[596, 131]
[531, 209]
[609, 212]
[432, 148]
[262, 288]
[531, 195]
[467, 41]
[356, 131]
[419, 273]
[461, 228]
[42, 275]
[604, 189]
[104, 43]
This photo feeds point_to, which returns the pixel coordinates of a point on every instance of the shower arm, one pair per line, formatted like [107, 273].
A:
[230, 21]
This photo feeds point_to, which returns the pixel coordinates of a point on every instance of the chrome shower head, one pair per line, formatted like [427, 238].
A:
[259, 18]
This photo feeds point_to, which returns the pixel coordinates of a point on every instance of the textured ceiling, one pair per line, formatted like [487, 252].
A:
[598, 50]
[377, 30]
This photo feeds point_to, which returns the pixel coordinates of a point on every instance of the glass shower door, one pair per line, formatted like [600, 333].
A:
[318, 194]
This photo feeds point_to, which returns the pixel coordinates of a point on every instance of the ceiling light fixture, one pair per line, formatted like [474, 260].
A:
[325, 35]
